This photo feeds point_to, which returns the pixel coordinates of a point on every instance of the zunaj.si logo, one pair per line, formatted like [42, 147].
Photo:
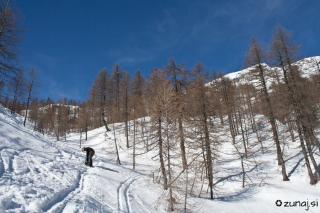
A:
[278, 203]
[305, 204]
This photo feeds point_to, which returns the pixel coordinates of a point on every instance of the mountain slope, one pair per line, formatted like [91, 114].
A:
[40, 175]
[308, 67]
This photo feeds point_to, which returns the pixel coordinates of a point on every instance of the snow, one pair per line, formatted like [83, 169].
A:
[40, 174]
[307, 66]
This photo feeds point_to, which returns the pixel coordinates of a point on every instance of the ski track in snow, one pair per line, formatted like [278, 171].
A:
[1, 166]
[58, 206]
[59, 203]
[128, 202]
[123, 195]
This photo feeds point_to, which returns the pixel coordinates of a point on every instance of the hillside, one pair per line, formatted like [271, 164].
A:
[308, 67]
[39, 174]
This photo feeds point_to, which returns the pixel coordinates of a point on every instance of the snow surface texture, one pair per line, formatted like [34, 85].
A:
[39, 174]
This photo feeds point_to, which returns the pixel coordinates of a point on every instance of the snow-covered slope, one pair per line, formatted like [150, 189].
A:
[38, 174]
[308, 67]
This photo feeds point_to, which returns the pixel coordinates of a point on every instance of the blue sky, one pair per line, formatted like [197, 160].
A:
[71, 41]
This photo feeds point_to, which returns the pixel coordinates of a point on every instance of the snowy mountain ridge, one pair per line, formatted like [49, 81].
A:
[308, 67]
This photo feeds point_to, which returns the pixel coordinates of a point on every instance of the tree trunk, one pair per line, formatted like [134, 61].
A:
[208, 151]
[115, 143]
[314, 163]
[86, 130]
[243, 172]
[313, 180]
[126, 118]
[182, 146]
[272, 122]
[169, 171]
[163, 169]
[134, 145]
[243, 138]
[28, 101]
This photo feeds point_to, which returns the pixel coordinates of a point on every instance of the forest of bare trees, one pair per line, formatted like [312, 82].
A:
[181, 112]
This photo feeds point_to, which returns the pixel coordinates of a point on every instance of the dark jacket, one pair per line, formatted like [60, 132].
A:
[89, 151]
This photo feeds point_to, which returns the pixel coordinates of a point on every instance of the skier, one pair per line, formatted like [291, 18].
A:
[90, 153]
